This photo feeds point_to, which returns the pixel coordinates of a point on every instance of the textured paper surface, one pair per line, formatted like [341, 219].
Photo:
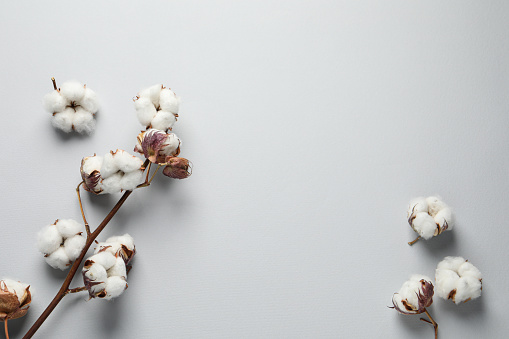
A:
[311, 124]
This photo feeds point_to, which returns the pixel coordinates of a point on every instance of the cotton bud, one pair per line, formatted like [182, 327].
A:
[414, 297]
[122, 246]
[114, 172]
[105, 273]
[177, 168]
[157, 107]
[61, 243]
[15, 298]
[73, 107]
[157, 145]
[458, 280]
[429, 217]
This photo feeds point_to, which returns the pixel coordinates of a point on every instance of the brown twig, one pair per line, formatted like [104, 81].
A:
[87, 227]
[54, 83]
[74, 268]
[414, 241]
[6, 329]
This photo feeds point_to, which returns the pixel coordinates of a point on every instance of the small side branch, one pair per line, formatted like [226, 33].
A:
[414, 241]
[87, 227]
[153, 175]
[54, 83]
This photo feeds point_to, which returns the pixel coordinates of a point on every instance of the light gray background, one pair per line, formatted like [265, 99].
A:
[311, 124]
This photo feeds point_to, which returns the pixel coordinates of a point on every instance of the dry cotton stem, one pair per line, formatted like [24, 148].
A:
[414, 241]
[87, 227]
[432, 322]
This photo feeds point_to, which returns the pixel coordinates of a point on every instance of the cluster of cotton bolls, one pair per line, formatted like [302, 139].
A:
[61, 243]
[458, 280]
[429, 217]
[105, 273]
[414, 296]
[73, 106]
[112, 173]
[157, 107]
[15, 298]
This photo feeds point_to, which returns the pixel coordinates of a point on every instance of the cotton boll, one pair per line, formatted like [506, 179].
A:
[145, 110]
[112, 247]
[451, 263]
[63, 120]
[424, 224]
[89, 101]
[169, 101]
[105, 259]
[457, 279]
[163, 120]
[58, 259]
[417, 205]
[112, 184]
[115, 286]
[68, 227]
[435, 204]
[118, 269]
[131, 180]
[49, 239]
[14, 287]
[125, 239]
[53, 102]
[83, 121]
[109, 166]
[126, 162]
[467, 288]
[93, 163]
[468, 270]
[172, 145]
[74, 245]
[152, 93]
[97, 274]
[446, 281]
[444, 216]
[72, 90]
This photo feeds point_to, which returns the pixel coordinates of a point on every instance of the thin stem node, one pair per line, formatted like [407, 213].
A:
[54, 83]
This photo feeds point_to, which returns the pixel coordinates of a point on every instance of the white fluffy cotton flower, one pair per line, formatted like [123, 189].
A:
[458, 280]
[122, 246]
[61, 242]
[157, 107]
[73, 106]
[105, 273]
[414, 296]
[112, 173]
[429, 217]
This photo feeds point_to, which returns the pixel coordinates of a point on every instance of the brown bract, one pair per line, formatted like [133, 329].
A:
[177, 168]
[10, 306]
